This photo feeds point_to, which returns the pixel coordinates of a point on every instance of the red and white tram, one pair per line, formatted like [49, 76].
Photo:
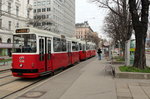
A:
[39, 52]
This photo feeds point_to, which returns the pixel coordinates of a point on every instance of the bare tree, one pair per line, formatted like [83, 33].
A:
[121, 12]
[120, 9]
[114, 30]
[140, 26]
[95, 39]
[112, 27]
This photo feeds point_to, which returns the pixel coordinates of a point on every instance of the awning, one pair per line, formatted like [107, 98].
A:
[6, 45]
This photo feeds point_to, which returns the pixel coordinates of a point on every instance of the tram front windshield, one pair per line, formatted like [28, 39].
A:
[24, 43]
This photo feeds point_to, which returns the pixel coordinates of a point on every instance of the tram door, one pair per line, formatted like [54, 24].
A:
[69, 52]
[48, 54]
[45, 53]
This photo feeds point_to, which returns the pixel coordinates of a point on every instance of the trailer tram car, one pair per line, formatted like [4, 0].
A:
[39, 52]
[88, 51]
[92, 48]
[82, 50]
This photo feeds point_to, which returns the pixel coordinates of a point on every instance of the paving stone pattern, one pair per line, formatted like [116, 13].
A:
[133, 90]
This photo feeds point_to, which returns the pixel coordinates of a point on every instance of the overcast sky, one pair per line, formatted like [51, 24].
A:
[86, 11]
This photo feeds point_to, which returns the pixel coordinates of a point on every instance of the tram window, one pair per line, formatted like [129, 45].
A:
[80, 46]
[74, 46]
[24, 43]
[64, 48]
[83, 47]
[41, 49]
[87, 47]
[69, 46]
[57, 44]
[49, 48]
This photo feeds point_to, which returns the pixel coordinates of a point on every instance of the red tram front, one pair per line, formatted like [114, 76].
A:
[32, 53]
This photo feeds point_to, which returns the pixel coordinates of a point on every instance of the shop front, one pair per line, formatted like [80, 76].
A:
[5, 49]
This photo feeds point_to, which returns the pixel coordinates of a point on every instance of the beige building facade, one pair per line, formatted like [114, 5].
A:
[83, 31]
[14, 14]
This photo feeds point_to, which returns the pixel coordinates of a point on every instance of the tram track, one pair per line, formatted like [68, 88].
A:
[5, 74]
[16, 85]
[3, 71]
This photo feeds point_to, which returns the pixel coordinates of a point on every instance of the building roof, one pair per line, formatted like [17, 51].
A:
[84, 25]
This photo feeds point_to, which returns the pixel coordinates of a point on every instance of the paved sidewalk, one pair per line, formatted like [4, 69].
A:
[133, 89]
[92, 83]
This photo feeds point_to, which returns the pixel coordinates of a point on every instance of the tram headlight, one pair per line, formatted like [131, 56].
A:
[21, 65]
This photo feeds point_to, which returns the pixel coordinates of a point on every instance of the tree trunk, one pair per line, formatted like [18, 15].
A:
[140, 26]
[127, 53]
[140, 58]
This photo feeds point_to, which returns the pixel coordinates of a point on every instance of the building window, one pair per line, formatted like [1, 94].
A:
[43, 17]
[48, 9]
[9, 40]
[9, 25]
[34, 10]
[0, 40]
[17, 11]
[17, 25]
[38, 10]
[9, 7]
[28, 13]
[34, 17]
[43, 9]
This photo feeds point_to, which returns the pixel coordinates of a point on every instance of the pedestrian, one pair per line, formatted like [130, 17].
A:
[99, 53]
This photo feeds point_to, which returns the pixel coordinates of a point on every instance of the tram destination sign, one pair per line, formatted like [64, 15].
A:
[22, 30]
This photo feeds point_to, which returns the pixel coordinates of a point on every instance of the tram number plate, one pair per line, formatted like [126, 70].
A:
[20, 74]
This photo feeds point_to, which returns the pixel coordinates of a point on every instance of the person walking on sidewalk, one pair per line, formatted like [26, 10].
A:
[99, 53]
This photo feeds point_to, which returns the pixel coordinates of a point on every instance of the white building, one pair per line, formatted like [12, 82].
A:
[14, 14]
[55, 15]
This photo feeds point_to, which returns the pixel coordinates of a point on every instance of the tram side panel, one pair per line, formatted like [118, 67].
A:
[95, 52]
[88, 54]
[59, 60]
[75, 57]
[82, 55]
